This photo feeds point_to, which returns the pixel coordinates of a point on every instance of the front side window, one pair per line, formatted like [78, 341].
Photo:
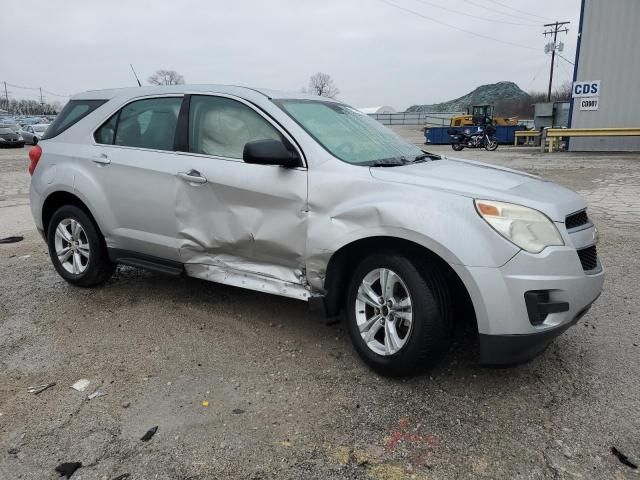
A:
[348, 134]
[149, 123]
[221, 126]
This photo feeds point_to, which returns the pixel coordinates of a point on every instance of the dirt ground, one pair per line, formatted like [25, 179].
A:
[287, 396]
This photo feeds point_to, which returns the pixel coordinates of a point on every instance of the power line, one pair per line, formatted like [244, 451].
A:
[519, 11]
[519, 17]
[476, 16]
[566, 60]
[37, 88]
[455, 27]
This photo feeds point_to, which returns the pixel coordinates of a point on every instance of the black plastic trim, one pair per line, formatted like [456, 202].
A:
[181, 139]
[539, 306]
[148, 262]
[510, 350]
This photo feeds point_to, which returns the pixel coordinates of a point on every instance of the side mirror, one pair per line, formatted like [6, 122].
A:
[269, 152]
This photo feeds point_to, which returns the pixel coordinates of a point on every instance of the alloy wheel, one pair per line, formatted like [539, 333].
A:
[72, 246]
[384, 312]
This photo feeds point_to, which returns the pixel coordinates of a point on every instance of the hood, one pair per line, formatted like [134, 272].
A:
[480, 180]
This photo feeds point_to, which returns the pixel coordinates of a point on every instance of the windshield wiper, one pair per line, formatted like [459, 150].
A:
[426, 156]
[386, 162]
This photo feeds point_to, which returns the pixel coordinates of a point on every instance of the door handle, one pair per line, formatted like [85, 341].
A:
[101, 159]
[192, 176]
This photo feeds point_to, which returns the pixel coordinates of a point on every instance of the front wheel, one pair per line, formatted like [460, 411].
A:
[491, 144]
[77, 249]
[398, 315]
[457, 146]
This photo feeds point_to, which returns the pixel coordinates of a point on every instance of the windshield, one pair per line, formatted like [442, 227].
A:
[40, 128]
[5, 130]
[348, 134]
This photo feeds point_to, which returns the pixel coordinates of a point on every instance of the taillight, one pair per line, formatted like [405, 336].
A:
[34, 155]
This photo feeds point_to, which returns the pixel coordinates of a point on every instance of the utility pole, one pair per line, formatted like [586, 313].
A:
[6, 95]
[41, 102]
[554, 30]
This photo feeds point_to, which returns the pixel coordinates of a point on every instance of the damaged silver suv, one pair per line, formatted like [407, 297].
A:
[306, 197]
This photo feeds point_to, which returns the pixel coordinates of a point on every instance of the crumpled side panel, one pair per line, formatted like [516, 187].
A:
[246, 219]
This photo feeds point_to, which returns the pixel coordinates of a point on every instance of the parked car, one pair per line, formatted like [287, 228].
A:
[9, 137]
[33, 133]
[306, 197]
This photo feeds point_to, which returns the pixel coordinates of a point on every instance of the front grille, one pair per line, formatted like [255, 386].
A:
[588, 258]
[576, 220]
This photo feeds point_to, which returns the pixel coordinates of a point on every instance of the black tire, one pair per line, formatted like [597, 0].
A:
[432, 328]
[457, 146]
[35, 141]
[98, 267]
[491, 146]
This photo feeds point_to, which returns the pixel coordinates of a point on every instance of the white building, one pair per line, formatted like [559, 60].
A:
[606, 90]
[382, 109]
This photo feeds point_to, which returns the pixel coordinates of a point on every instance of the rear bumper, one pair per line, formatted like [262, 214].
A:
[509, 350]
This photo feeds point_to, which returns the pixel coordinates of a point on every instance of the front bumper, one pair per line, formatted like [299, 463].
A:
[509, 333]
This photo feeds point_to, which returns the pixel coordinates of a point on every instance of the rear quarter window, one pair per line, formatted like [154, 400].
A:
[72, 113]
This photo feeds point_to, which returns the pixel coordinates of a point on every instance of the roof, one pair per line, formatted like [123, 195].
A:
[108, 94]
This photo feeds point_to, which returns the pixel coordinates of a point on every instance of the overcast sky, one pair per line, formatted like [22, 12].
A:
[376, 53]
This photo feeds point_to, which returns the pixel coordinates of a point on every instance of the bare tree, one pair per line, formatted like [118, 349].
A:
[166, 77]
[322, 84]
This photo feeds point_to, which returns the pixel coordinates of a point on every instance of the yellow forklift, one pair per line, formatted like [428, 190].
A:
[481, 115]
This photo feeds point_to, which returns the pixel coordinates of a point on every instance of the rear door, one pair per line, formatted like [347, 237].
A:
[238, 223]
[135, 166]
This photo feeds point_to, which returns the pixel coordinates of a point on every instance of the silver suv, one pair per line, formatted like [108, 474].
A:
[307, 198]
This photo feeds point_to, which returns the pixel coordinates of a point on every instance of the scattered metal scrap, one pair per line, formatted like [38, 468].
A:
[38, 389]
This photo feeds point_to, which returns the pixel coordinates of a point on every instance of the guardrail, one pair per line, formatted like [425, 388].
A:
[528, 135]
[552, 136]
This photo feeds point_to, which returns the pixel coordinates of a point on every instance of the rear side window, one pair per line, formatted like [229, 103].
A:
[221, 126]
[72, 113]
[149, 123]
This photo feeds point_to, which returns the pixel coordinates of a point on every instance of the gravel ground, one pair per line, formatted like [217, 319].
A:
[287, 397]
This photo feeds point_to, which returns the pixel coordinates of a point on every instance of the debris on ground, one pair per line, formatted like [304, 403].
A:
[623, 458]
[13, 451]
[126, 404]
[40, 388]
[150, 433]
[81, 385]
[12, 239]
[68, 469]
[205, 403]
[122, 477]
[237, 411]
[97, 393]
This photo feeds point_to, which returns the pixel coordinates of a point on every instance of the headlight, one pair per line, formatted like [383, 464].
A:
[1, 139]
[20, 138]
[529, 229]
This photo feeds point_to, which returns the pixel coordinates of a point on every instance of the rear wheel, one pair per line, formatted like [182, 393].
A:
[398, 315]
[77, 249]
[457, 146]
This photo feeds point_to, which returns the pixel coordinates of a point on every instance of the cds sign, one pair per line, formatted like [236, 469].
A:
[586, 89]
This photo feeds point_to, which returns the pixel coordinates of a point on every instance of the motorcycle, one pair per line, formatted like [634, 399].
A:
[482, 138]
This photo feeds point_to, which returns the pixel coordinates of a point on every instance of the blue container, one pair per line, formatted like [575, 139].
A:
[505, 134]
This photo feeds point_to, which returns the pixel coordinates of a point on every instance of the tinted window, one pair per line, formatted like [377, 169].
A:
[106, 133]
[149, 123]
[72, 112]
[220, 126]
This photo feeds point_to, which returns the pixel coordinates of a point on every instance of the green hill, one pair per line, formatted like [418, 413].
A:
[485, 94]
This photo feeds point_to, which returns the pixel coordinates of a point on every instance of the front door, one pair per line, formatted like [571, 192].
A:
[239, 223]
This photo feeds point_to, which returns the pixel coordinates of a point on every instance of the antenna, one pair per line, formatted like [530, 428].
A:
[135, 75]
